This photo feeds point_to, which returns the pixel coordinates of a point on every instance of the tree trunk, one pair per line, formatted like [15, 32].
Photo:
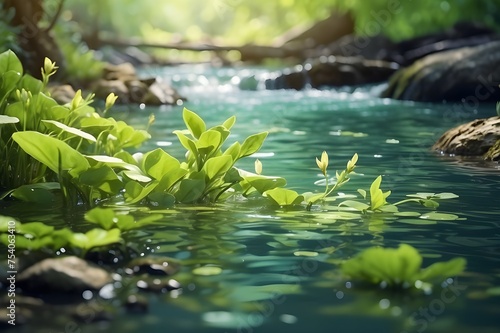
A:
[37, 43]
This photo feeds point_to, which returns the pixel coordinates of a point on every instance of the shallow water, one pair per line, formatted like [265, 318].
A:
[265, 285]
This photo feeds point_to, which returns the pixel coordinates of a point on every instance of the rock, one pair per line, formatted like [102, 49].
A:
[157, 266]
[25, 308]
[122, 72]
[105, 87]
[376, 47]
[334, 72]
[162, 93]
[62, 94]
[469, 74]
[67, 274]
[462, 34]
[480, 137]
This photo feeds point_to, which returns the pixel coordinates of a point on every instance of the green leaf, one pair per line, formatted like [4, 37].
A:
[360, 206]
[158, 163]
[209, 141]
[10, 62]
[362, 192]
[8, 82]
[445, 196]
[190, 190]
[439, 216]
[228, 124]
[217, 166]
[6, 222]
[187, 143]
[29, 83]
[35, 229]
[161, 199]
[135, 192]
[8, 120]
[234, 151]
[105, 217]
[35, 193]
[252, 144]
[284, 197]
[95, 237]
[440, 271]
[103, 178]
[71, 130]
[194, 123]
[47, 150]
[429, 203]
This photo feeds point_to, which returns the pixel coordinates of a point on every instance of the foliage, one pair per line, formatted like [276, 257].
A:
[36, 133]
[82, 65]
[39, 236]
[399, 267]
[259, 21]
[8, 33]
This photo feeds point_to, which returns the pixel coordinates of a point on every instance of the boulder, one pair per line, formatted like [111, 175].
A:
[469, 74]
[334, 72]
[480, 137]
[67, 274]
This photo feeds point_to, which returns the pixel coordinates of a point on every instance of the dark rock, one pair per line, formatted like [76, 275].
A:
[25, 308]
[157, 266]
[67, 274]
[462, 34]
[334, 72]
[162, 93]
[469, 74]
[376, 47]
[480, 137]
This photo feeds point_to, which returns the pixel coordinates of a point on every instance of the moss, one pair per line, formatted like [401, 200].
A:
[493, 154]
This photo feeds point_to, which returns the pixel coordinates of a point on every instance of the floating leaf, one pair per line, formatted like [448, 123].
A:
[207, 270]
[284, 197]
[305, 254]
[439, 216]
[95, 237]
[398, 267]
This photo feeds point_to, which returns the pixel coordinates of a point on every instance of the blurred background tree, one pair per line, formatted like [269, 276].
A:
[82, 23]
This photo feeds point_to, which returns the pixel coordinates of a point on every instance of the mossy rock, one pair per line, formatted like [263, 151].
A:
[470, 73]
[480, 137]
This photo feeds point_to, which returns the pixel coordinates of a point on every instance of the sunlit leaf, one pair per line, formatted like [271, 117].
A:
[252, 144]
[207, 270]
[47, 151]
[439, 216]
[284, 197]
[8, 120]
[71, 130]
[194, 123]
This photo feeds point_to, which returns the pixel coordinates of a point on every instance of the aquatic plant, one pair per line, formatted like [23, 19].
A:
[399, 267]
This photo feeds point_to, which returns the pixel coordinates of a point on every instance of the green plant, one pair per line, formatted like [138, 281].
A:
[399, 267]
[35, 132]
[39, 236]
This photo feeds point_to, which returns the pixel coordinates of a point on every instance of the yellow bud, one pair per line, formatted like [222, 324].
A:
[49, 67]
[323, 163]
[77, 100]
[352, 163]
[110, 100]
[258, 167]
